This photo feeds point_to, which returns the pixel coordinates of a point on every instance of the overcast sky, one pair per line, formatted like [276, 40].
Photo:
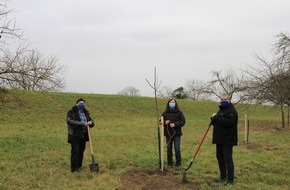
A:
[108, 45]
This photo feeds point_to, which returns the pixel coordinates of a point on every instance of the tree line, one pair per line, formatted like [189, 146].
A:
[266, 81]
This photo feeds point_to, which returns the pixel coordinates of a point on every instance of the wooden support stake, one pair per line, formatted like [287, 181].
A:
[246, 128]
[162, 142]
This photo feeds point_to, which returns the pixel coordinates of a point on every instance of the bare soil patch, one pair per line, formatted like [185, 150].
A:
[266, 126]
[153, 180]
[250, 146]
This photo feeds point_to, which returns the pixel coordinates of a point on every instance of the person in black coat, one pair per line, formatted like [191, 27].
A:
[225, 136]
[78, 118]
[173, 121]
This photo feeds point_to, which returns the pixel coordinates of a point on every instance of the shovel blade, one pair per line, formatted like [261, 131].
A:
[94, 167]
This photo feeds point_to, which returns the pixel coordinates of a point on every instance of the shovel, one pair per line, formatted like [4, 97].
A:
[94, 167]
[203, 137]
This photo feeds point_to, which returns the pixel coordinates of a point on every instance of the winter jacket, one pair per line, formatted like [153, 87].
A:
[225, 124]
[175, 117]
[76, 128]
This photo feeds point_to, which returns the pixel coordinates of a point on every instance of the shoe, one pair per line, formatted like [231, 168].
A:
[170, 166]
[228, 183]
[75, 170]
[178, 167]
[220, 180]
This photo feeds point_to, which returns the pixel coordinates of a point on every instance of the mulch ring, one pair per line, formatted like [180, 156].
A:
[149, 180]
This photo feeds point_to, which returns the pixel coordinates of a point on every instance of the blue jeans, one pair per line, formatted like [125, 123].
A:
[176, 141]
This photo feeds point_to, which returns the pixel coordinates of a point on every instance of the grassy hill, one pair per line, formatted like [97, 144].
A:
[35, 153]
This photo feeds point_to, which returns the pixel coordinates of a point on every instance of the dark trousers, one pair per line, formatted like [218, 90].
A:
[225, 161]
[78, 147]
[176, 141]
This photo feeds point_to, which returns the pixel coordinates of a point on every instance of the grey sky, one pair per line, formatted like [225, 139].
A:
[111, 44]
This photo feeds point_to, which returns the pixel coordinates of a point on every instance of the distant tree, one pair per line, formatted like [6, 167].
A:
[165, 92]
[226, 82]
[29, 70]
[196, 89]
[269, 80]
[179, 93]
[129, 91]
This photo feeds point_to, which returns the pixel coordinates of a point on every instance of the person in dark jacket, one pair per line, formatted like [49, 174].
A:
[78, 118]
[173, 121]
[225, 136]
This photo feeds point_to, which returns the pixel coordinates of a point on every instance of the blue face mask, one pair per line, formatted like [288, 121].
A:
[224, 103]
[171, 105]
[81, 106]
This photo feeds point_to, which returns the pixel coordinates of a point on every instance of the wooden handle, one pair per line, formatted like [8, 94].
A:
[89, 133]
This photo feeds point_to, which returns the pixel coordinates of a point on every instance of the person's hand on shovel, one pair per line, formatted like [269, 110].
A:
[88, 123]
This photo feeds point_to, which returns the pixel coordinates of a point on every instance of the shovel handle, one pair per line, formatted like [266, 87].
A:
[203, 137]
[90, 140]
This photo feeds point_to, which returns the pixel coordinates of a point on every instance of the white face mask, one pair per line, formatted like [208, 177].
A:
[172, 105]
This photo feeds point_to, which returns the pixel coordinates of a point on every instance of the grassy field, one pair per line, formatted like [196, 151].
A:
[35, 153]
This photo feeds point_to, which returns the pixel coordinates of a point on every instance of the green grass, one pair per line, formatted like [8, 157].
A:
[35, 154]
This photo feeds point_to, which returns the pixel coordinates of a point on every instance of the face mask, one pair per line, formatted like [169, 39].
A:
[171, 105]
[81, 106]
[224, 103]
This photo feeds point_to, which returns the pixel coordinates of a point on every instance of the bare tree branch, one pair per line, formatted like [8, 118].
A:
[8, 29]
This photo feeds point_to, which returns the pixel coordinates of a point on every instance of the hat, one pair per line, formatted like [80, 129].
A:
[80, 99]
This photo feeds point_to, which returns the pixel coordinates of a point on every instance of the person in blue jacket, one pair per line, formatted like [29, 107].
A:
[173, 122]
[225, 136]
[78, 118]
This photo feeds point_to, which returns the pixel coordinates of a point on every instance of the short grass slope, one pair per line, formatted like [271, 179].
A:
[35, 153]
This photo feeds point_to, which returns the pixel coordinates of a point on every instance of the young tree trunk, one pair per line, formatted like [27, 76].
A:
[288, 117]
[283, 117]
[155, 87]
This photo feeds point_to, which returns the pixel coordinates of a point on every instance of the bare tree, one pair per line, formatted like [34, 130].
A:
[283, 51]
[196, 89]
[269, 82]
[165, 92]
[227, 82]
[29, 70]
[282, 47]
[8, 28]
[130, 91]
[155, 86]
